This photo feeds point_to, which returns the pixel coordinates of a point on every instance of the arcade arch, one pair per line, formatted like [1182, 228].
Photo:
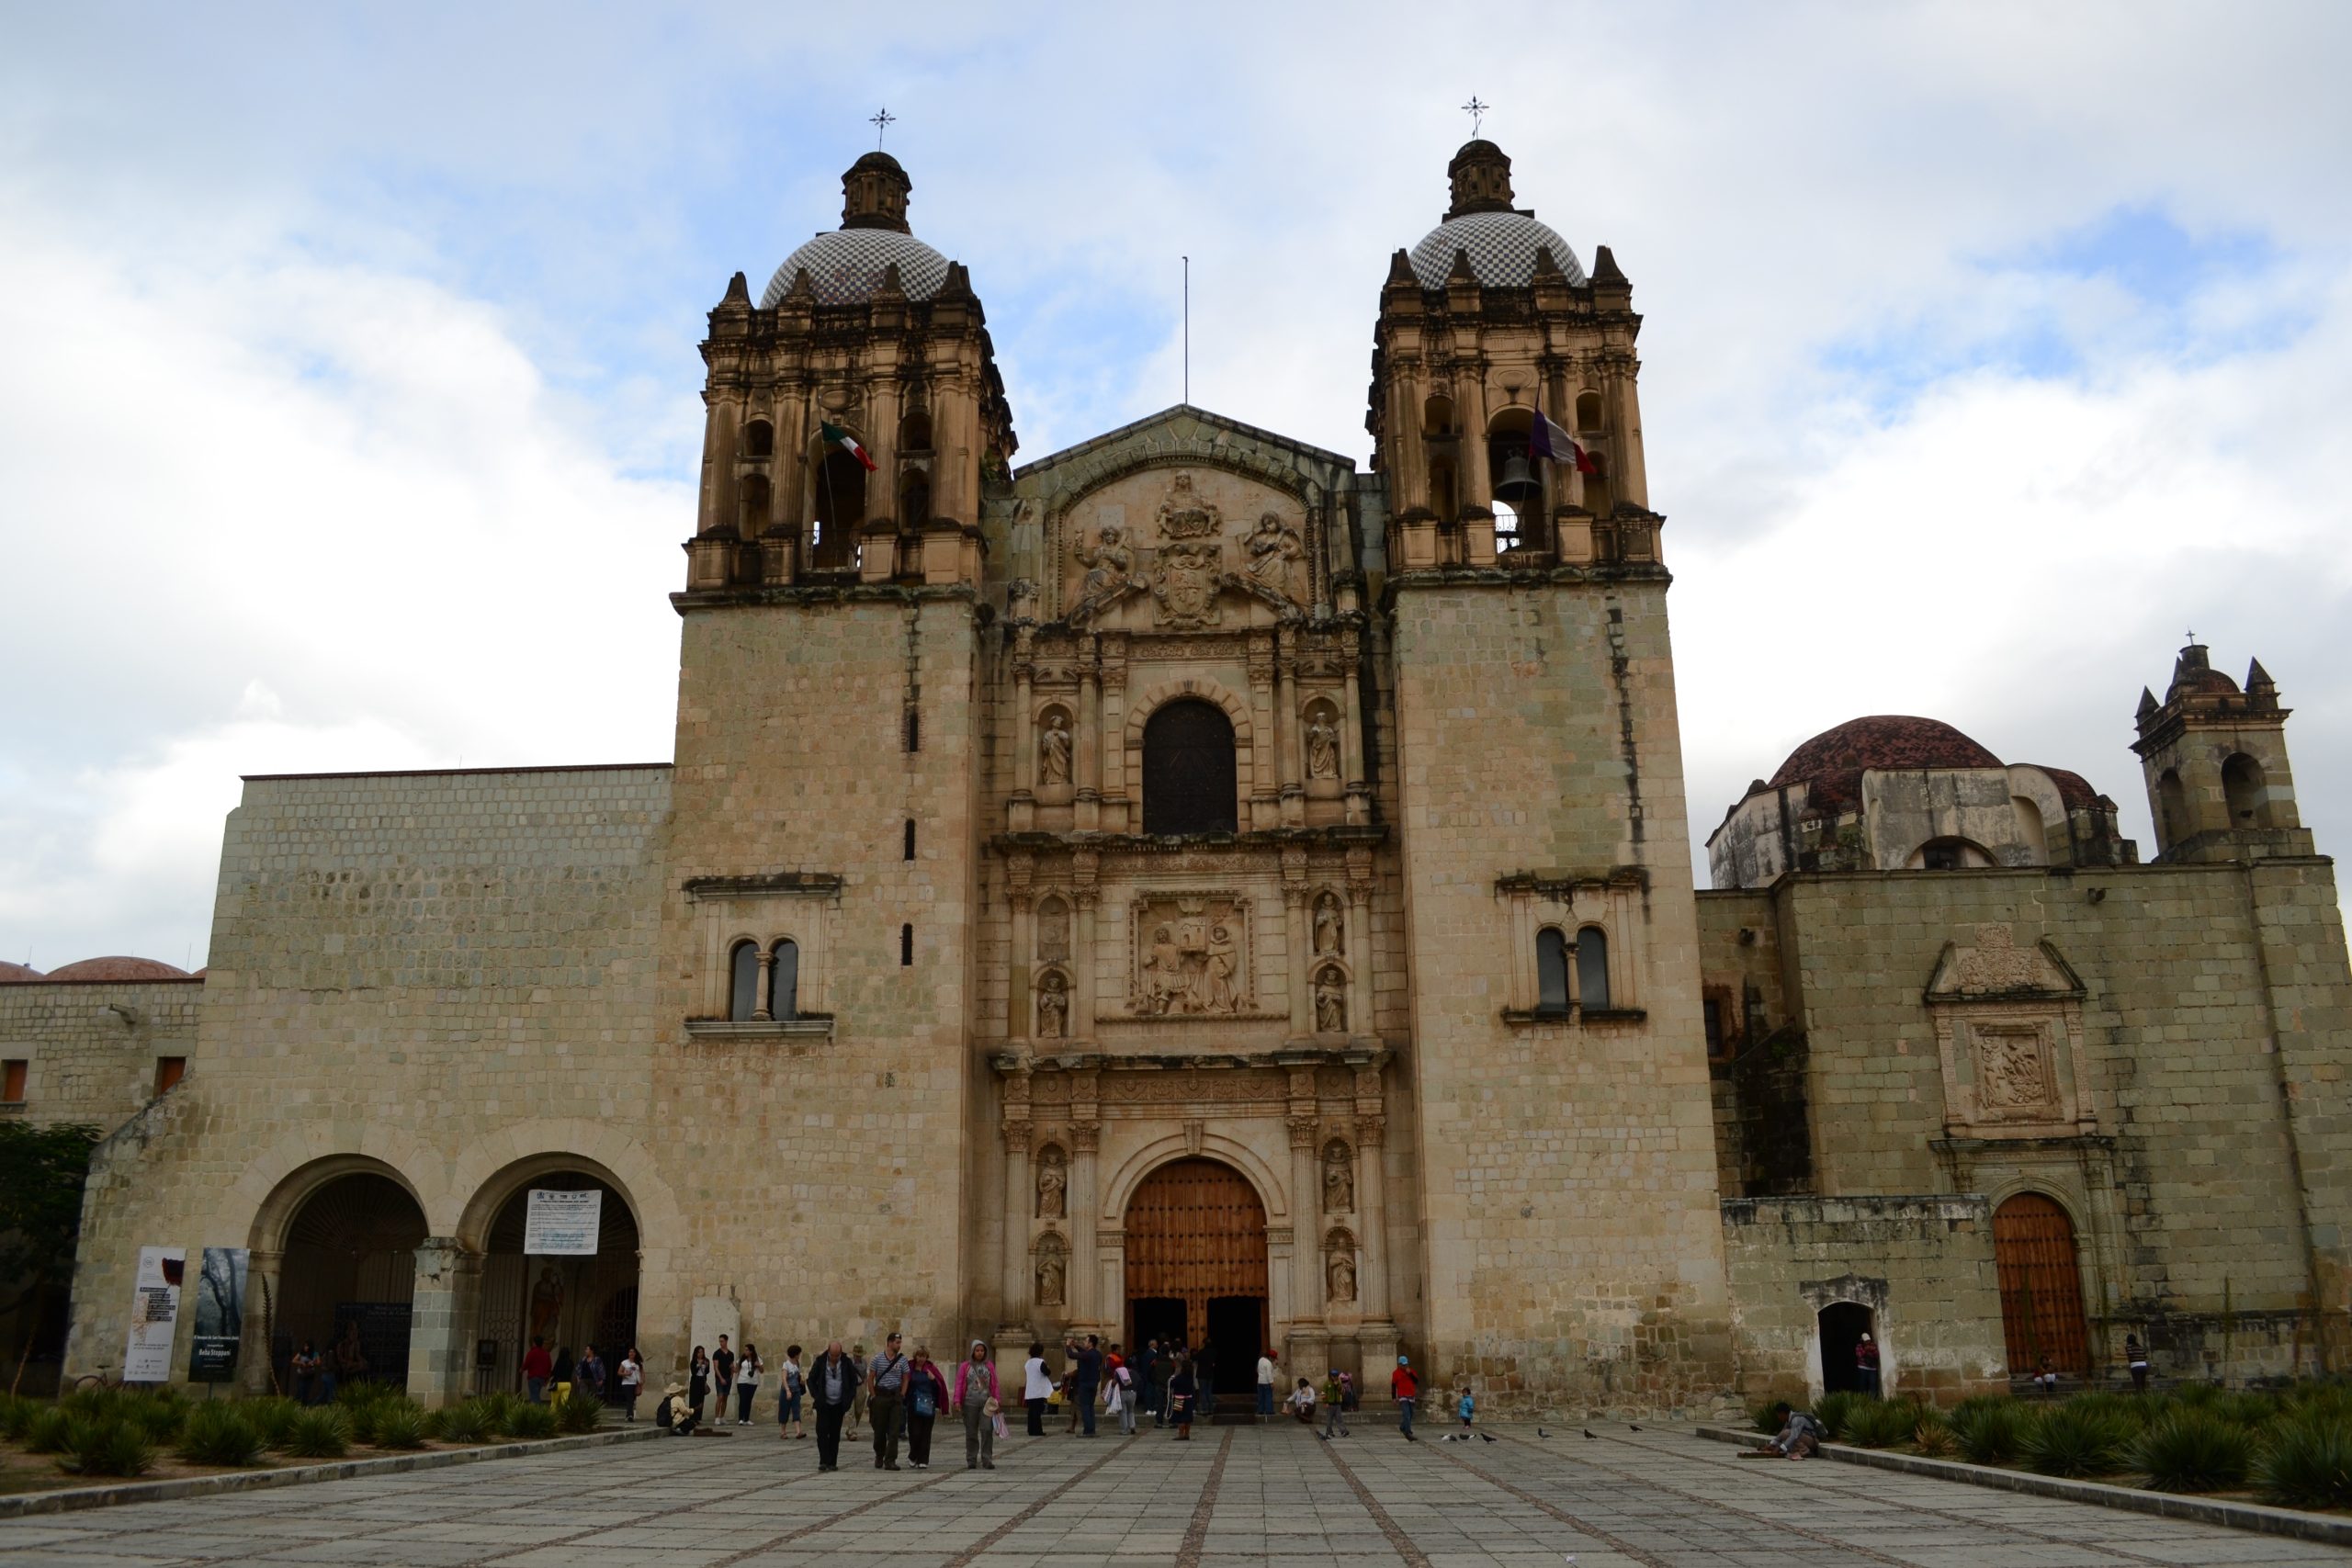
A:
[348, 1234]
[570, 1302]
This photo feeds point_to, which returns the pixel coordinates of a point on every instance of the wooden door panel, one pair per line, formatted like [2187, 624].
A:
[1196, 1230]
[2041, 1285]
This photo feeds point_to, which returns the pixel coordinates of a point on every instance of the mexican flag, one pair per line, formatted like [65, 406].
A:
[836, 436]
[1548, 440]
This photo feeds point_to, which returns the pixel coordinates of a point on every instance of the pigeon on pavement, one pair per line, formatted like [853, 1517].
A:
[1489, 1435]
[1588, 1432]
[1542, 1433]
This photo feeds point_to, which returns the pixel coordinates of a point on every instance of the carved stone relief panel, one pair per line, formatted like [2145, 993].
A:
[1191, 955]
[2009, 1030]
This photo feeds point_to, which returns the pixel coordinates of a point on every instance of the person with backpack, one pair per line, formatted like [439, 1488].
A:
[1335, 1399]
[1181, 1391]
[1122, 1400]
[977, 1399]
[886, 1387]
[926, 1395]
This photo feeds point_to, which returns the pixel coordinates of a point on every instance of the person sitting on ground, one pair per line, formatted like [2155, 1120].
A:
[673, 1415]
[1301, 1401]
[2046, 1380]
[1800, 1435]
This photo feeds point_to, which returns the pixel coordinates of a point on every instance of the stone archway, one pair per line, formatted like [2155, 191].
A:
[1196, 1265]
[569, 1302]
[348, 1277]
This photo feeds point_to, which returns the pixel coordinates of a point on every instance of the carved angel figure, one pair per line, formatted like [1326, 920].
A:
[1273, 547]
[1053, 746]
[1108, 563]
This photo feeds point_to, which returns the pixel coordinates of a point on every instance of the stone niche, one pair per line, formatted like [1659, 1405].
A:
[2009, 1031]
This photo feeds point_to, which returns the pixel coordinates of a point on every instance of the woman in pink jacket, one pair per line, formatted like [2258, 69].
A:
[976, 1396]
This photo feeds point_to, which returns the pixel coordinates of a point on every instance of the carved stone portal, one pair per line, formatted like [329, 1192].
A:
[1191, 956]
[2012, 1070]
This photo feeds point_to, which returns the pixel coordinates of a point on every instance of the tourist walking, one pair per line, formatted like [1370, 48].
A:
[1086, 1378]
[1466, 1406]
[1183, 1388]
[791, 1385]
[588, 1375]
[632, 1381]
[1124, 1395]
[857, 1400]
[1036, 1387]
[538, 1367]
[926, 1395]
[1404, 1387]
[977, 1401]
[747, 1382]
[2135, 1361]
[698, 1380]
[834, 1383]
[1265, 1385]
[1866, 1364]
[886, 1383]
[1335, 1406]
[306, 1365]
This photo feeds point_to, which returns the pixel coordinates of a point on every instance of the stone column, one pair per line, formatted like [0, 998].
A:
[1360, 1018]
[1018, 1201]
[1293, 762]
[441, 1320]
[1265, 781]
[265, 1285]
[1086, 771]
[1298, 932]
[1085, 1135]
[1084, 961]
[1111, 1284]
[1306, 1204]
[1113, 761]
[1372, 1205]
[1281, 1309]
[1352, 732]
[1017, 1019]
[1020, 812]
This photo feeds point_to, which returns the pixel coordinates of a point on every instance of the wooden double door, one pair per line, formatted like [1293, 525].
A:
[1196, 1265]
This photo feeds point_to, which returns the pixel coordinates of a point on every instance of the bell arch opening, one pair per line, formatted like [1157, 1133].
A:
[1196, 1265]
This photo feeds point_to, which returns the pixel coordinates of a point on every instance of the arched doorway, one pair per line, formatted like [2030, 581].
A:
[2041, 1285]
[570, 1302]
[349, 1273]
[1196, 1265]
[1842, 1324]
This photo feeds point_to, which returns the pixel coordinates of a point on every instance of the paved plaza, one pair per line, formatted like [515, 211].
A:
[1233, 1496]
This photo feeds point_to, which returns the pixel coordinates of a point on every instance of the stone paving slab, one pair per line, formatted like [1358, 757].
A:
[1234, 1498]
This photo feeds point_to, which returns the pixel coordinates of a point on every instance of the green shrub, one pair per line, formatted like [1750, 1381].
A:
[2107, 1404]
[502, 1406]
[17, 1415]
[2307, 1463]
[2072, 1441]
[1934, 1435]
[398, 1424]
[272, 1417]
[1764, 1419]
[1990, 1431]
[321, 1432]
[2193, 1450]
[2196, 1396]
[434, 1425]
[1836, 1409]
[531, 1421]
[1881, 1422]
[469, 1422]
[362, 1391]
[49, 1431]
[158, 1419]
[220, 1434]
[580, 1413]
[102, 1446]
[2251, 1411]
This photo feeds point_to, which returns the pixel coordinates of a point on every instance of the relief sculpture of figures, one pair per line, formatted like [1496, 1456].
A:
[1191, 965]
[1330, 1002]
[1322, 744]
[1053, 1006]
[1053, 746]
[1338, 1179]
[1217, 994]
[1272, 550]
[1107, 564]
[1340, 1278]
[1328, 933]
[1053, 1184]
[2012, 1069]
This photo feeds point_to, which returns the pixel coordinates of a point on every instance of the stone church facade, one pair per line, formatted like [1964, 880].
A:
[1193, 886]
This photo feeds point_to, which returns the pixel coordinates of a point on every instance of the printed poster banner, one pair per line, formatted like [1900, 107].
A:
[154, 1315]
[219, 1314]
[562, 1225]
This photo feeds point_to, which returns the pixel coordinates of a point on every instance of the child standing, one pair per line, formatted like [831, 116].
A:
[1335, 1395]
[1467, 1406]
[1180, 1390]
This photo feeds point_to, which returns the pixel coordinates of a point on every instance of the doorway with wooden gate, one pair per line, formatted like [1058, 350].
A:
[1196, 1265]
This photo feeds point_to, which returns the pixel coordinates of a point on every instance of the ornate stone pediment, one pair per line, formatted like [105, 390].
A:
[2009, 1028]
[1991, 965]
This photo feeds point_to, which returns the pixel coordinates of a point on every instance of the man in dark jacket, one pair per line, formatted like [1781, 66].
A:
[833, 1381]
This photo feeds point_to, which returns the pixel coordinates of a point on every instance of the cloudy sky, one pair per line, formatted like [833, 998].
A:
[348, 404]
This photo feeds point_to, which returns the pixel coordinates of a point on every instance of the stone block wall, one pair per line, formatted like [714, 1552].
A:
[1922, 1265]
[90, 1047]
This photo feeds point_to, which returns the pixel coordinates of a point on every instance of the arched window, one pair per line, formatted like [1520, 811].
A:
[2041, 1285]
[1588, 413]
[759, 439]
[915, 500]
[784, 981]
[1592, 970]
[1189, 775]
[1507, 524]
[2172, 808]
[838, 502]
[914, 431]
[744, 981]
[1598, 498]
[1551, 971]
[2031, 829]
[1511, 470]
[1949, 854]
[2241, 785]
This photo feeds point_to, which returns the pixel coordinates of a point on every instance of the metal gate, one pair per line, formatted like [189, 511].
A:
[1196, 1231]
[2041, 1285]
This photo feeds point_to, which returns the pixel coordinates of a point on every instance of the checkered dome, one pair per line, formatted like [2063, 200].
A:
[1502, 247]
[846, 267]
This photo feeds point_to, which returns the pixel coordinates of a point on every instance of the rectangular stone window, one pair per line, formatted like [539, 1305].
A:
[169, 1071]
[12, 1081]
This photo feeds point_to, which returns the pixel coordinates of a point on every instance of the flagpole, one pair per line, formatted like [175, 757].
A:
[1188, 329]
[825, 468]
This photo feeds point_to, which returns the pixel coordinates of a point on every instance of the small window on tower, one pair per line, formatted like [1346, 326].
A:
[759, 439]
[911, 840]
[906, 947]
[914, 431]
[12, 1081]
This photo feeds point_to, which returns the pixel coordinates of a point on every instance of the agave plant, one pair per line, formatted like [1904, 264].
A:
[49, 1431]
[531, 1421]
[2307, 1463]
[1990, 1431]
[580, 1413]
[2070, 1441]
[322, 1432]
[103, 1447]
[220, 1434]
[1881, 1422]
[2193, 1450]
[469, 1422]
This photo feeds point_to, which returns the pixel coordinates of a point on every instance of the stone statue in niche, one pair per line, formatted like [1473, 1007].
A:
[1339, 1277]
[1053, 1184]
[1339, 1178]
[1331, 1001]
[1272, 549]
[1322, 743]
[1108, 563]
[1330, 933]
[1052, 931]
[1053, 748]
[2011, 1070]
[1052, 1273]
[1053, 1006]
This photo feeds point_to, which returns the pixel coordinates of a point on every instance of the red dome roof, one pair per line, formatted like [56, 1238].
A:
[17, 973]
[1882, 740]
[118, 968]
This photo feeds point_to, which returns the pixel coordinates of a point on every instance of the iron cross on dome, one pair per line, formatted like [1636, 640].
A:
[1477, 113]
[882, 123]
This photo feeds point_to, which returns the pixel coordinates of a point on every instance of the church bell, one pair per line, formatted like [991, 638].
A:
[1517, 482]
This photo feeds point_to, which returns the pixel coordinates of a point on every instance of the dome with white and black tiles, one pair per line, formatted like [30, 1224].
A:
[1501, 239]
[846, 266]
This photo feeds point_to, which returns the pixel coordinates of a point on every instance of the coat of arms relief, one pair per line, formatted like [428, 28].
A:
[1194, 559]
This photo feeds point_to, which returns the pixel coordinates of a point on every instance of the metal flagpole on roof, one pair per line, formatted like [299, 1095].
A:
[1188, 329]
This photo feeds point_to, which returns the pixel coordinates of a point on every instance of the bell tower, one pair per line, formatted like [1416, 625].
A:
[2214, 755]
